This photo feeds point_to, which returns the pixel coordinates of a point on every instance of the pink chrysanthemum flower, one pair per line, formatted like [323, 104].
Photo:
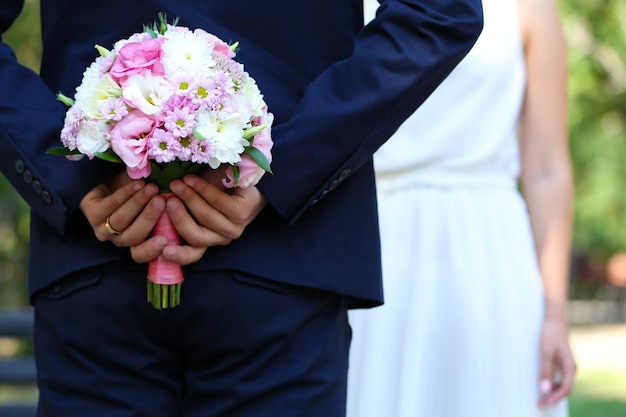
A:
[104, 63]
[114, 109]
[73, 120]
[163, 146]
[205, 95]
[202, 151]
[224, 84]
[180, 121]
[185, 148]
[183, 84]
[179, 101]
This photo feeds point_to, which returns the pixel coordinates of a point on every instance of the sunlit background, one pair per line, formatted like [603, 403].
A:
[596, 35]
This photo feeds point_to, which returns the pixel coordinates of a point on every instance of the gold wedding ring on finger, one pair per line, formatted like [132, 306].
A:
[107, 225]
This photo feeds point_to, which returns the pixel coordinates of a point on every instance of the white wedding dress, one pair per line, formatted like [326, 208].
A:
[458, 335]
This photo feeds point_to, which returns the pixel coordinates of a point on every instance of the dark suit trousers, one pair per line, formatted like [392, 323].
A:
[237, 346]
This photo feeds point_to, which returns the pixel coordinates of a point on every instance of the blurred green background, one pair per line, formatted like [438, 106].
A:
[596, 35]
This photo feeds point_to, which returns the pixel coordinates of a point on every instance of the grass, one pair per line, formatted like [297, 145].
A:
[599, 393]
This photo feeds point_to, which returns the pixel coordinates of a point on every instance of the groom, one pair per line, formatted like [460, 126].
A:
[270, 270]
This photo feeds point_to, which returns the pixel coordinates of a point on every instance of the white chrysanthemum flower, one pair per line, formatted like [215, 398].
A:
[226, 136]
[146, 93]
[93, 136]
[184, 52]
[95, 90]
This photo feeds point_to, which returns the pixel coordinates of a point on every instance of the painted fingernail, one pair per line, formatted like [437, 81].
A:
[545, 386]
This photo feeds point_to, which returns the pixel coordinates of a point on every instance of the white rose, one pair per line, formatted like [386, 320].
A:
[146, 93]
[92, 136]
[94, 91]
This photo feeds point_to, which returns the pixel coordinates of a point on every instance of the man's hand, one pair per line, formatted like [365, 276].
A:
[205, 215]
[124, 211]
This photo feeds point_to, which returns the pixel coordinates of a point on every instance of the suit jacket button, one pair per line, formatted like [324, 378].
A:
[323, 194]
[333, 184]
[46, 197]
[37, 186]
[344, 174]
[19, 166]
[27, 176]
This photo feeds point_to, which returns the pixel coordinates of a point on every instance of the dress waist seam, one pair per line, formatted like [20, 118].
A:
[392, 182]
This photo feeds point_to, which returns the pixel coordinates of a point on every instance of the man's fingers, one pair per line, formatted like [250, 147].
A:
[183, 255]
[126, 223]
[149, 249]
[206, 204]
[126, 211]
[138, 226]
[239, 205]
[105, 198]
[195, 231]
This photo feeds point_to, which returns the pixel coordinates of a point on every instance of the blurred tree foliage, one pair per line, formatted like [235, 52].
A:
[25, 37]
[597, 39]
[597, 49]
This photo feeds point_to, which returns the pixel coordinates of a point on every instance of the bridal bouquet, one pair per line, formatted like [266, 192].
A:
[167, 102]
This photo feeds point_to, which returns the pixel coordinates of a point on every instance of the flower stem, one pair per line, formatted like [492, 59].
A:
[163, 296]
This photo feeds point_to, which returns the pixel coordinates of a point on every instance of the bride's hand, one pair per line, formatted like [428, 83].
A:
[558, 366]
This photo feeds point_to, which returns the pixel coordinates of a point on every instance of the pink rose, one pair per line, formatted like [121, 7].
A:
[219, 45]
[135, 57]
[129, 141]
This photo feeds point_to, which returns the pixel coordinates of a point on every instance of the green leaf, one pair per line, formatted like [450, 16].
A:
[62, 151]
[164, 173]
[259, 158]
[109, 155]
[151, 31]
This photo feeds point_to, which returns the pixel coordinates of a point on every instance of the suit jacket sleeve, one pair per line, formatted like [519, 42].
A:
[354, 106]
[30, 123]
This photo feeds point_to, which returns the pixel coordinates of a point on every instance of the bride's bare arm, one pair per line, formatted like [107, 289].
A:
[547, 183]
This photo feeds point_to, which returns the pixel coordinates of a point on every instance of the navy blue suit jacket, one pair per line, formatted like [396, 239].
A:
[338, 91]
